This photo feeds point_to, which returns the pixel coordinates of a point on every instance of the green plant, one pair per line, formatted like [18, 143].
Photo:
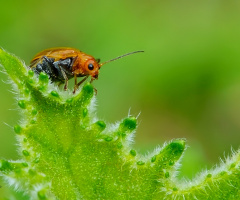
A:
[67, 153]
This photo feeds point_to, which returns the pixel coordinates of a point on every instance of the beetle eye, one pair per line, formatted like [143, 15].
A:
[90, 66]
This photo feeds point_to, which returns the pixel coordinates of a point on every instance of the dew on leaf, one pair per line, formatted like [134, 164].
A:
[54, 93]
[108, 139]
[140, 163]
[25, 153]
[167, 174]
[22, 104]
[24, 164]
[30, 73]
[18, 129]
[133, 152]
[209, 175]
[153, 159]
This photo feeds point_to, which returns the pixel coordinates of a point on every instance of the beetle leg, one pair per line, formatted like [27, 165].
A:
[82, 81]
[92, 79]
[65, 77]
[75, 84]
[66, 84]
[78, 84]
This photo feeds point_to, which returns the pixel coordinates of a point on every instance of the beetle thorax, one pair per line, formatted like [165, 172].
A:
[78, 66]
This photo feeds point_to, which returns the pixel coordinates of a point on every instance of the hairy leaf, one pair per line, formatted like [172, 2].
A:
[65, 152]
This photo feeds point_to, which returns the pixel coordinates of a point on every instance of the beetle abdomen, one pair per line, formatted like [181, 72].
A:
[55, 69]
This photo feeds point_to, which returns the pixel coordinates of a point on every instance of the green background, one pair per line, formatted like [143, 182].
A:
[186, 84]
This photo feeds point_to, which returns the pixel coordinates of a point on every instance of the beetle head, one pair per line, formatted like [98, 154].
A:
[91, 67]
[86, 65]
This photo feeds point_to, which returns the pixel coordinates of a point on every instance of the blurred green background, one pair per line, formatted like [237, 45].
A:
[186, 84]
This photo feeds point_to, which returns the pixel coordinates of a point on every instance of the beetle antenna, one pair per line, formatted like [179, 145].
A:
[119, 57]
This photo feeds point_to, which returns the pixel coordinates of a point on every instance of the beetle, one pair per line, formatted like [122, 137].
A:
[64, 63]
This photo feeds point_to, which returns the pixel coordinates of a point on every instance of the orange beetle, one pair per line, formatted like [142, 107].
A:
[64, 63]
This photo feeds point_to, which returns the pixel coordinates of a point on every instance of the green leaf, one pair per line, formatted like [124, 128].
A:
[65, 152]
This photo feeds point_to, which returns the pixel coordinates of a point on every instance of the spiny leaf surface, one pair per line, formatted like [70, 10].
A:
[65, 152]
